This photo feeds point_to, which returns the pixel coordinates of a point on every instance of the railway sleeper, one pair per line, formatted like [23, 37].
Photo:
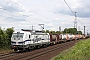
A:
[19, 49]
[44, 45]
[38, 46]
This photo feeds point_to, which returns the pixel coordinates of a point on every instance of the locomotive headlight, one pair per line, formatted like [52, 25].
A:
[14, 46]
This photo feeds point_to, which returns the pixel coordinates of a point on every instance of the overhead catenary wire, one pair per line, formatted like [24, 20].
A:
[20, 14]
[12, 18]
[32, 11]
[35, 12]
[11, 12]
[26, 9]
[72, 12]
[29, 10]
[24, 14]
[80, 21]
[69, 7]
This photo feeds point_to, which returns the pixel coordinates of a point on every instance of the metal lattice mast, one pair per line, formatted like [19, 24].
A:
[75, 21]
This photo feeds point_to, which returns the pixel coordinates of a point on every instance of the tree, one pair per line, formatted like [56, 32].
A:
[79, 32]
[2, 38]
[58, 32]
[52, 32]
[70, 30]
[66, 30]
[47, 31]
[43, 31]
[9, 32]
[5, 37]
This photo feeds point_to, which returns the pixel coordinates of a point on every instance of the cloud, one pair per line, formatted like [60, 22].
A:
[81, 7]
[8, 5]
[51, 13]
[10, 11]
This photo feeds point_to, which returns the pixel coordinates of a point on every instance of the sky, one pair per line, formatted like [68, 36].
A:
[23, 14]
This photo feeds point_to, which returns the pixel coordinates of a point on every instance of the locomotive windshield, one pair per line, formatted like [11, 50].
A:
[18, 35]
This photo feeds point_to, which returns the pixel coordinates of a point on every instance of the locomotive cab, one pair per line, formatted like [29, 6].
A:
[19, 40]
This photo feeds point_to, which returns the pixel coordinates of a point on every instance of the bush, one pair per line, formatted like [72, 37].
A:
[5, 38]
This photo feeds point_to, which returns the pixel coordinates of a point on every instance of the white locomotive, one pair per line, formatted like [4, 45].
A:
[24, 40]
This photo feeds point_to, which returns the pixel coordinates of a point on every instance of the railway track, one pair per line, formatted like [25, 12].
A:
[31, 57]
[36, 53]
[6, 55]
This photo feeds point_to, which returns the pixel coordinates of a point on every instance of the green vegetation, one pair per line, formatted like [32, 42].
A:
[5, 38]
[66, 31]
[72, 31]
[52, 32]
[81, 51]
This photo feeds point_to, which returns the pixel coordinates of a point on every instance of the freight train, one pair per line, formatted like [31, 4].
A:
[26, 40]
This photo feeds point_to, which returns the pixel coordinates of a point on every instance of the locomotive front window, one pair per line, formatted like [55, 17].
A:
[18, 35]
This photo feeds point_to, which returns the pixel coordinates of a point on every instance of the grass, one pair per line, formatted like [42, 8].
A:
[81, 51]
